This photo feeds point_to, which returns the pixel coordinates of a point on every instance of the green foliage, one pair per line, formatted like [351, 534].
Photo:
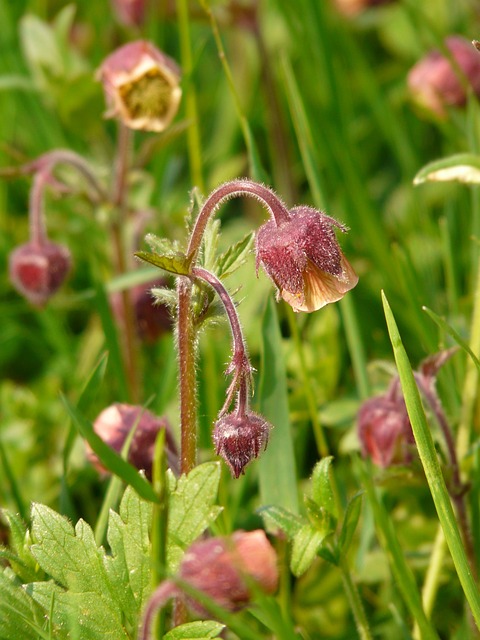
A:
[192, 630]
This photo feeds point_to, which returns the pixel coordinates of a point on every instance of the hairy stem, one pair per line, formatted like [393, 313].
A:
[187, 346]
[275, 207]
[38, 233]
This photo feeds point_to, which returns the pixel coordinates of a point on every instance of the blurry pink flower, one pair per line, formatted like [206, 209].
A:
[131, 13]
[353, 7]
[435, 84]
[114, 424]
[303, 258]
[141, 86]
[38, 269]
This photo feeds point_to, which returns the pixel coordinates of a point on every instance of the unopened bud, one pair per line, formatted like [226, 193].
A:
[223, 567]
[240, 438]
[131, 13]
[37, 270]
[114, 424]
[304, 260]
[435, 83]
[141, 86]
[384, 431]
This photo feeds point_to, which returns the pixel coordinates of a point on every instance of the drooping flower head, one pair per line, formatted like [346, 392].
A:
[141, 86]
[239, 437]
[114, 424]
[38, 269]
[303, 258]
[434, 82]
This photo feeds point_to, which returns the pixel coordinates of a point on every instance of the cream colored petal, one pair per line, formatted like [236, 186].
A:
[321, 288]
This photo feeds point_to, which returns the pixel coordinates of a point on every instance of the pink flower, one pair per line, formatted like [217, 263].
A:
[303, 258]
[141, 86]
[114, 424]
[38, 269]
[130, 12]
[435, 83]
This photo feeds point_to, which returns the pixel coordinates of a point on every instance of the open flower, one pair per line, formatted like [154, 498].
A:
[38, 269]
[141, 86]
[303, 258]
[436, 83]
[239, 437]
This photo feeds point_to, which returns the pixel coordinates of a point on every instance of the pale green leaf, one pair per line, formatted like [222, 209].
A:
[350, 522]
[322, 490]
[199, 630]
[191, 509]
[234, 256]
[176, 263]
[20, 616]
[276, 517]
[305, 547]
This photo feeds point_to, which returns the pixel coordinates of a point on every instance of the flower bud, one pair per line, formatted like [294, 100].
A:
[384, 430]
[141, 86]
[222, 568]
[37, 270]
[434, 82]
[240, 438]
[131, 13]
[304, 260]
[114, 424]
[151, 320]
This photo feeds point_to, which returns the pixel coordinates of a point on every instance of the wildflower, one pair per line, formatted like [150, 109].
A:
[435, 83]
[38, 269]
[141, 86]
[354, 7]
[131, 13]
[114, 424]
[223, 569]
[384, 429]
[303, 258]
[239, 437]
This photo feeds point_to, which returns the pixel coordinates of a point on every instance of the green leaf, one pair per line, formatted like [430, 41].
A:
[128, 537]
[322, 491]
[280, 518]
[306, 544]
[234, 256]
[276, 488]
[191, 509]
[83, 574]
[12, 82]
[350, 521]
[461, 167]
[26, 567]
[110, 459]
[431, 466]
[320, 519]
[176, 263]
[201, 630]
[20, 616]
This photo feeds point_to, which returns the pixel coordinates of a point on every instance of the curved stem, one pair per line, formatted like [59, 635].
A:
[48, 160]
[158, 599]
[240, 365]
[38, 233]
[275, 207]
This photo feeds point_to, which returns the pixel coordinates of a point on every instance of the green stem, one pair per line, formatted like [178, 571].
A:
[355, 345]
[356, 604]
[431, 466]
[193, 131]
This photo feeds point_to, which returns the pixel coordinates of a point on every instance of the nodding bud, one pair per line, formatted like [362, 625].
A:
[151, 320]
[114, 424]
[384, 430]
[304, 260]
[240, 438]
[436, 82]
[223, 568]
[131, 13]
[141, 86]
[37, 270]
